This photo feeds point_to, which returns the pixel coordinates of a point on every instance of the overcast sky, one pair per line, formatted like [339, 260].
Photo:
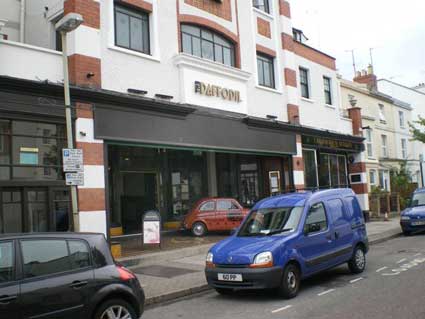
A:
[394, 29]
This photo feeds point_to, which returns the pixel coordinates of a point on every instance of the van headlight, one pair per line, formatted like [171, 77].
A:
[263, 260]
[407, 218]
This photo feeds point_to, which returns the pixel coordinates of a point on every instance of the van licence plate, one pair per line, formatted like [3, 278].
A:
[230, 277]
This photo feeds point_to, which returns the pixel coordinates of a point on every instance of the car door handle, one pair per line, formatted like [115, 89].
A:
[7, 299]
[336, 235]
[78, 284]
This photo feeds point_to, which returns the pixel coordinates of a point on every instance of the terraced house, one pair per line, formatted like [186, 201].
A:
[388, 141]
[173, 101]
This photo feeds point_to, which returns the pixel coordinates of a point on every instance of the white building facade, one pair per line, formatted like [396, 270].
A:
[175, 101]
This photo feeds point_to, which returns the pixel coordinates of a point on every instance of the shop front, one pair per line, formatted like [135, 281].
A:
[168, 162]
[33, 194]
[327, 159]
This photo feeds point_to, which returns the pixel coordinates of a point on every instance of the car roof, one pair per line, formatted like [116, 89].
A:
[300, 198]
[66, 235]
[420, 190]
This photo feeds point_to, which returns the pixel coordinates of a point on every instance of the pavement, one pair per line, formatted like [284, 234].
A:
[168, 275]
[392, 286]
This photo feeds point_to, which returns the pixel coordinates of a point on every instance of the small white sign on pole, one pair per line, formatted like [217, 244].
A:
[72, 160]
[74, 179]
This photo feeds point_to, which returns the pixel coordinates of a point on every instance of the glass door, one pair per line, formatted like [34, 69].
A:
[11, 220]
[37, 210]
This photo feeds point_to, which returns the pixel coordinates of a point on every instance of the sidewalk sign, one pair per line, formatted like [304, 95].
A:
[152, 228]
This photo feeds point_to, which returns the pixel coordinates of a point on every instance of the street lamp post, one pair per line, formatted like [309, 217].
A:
[68, 23]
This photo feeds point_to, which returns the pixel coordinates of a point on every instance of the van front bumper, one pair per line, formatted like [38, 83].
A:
[252, 278]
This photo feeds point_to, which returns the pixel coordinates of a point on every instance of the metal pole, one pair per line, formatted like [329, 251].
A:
[74, 202]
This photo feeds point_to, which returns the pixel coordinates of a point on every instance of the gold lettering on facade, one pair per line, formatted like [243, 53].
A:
[217, 91]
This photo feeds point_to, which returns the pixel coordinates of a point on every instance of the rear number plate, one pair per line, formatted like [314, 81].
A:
[230, 277]
[420, 223]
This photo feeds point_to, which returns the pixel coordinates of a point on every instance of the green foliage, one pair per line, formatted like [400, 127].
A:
[418, 132]
[401, 183]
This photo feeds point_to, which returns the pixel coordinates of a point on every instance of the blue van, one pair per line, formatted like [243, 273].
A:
[287, 238]
[413, 218]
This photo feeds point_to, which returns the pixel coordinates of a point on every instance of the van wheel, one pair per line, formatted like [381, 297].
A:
[224, 291]
[357, 263]
[115, 308]
[290, 284]
[406, 233]
[199, 229]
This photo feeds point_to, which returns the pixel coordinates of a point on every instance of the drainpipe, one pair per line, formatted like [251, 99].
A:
[22, 21]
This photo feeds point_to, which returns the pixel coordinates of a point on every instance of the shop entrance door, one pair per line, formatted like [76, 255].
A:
[140, 194]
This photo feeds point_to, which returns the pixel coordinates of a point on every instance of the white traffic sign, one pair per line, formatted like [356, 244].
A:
[72, 160]
[74, 179]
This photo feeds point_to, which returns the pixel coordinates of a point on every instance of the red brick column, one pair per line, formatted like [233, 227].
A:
[84, 64]
[85, 70]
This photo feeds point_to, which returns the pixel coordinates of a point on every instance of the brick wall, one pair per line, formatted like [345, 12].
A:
[222, 10]
[314, 55]
[80, 66]
[140, 4]
[263, 27]
[290, 77]
[89, 9]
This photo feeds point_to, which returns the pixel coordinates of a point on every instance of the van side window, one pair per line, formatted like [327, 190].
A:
[6, 261]
[316, 219]
[336, 209]
[352, 206]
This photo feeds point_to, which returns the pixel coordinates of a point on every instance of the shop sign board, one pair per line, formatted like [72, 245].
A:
[72, 160]
[74, 179]
[152, 227]
[333, 144]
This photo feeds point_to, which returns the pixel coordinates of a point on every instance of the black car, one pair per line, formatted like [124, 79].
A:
[65, 275]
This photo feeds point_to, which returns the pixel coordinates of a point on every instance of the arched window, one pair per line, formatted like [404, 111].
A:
[207, 44]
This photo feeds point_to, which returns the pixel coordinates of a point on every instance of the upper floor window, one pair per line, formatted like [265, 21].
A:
[403, 148]
[327, 90]
[132, 29]
[304, 83]
[262, 5]
[369, 147]
[206, 44]
[372, 177]
[384, 146]
[265, 70]
[382, 118]
[401, 118]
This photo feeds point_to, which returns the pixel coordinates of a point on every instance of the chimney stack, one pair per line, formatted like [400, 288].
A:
[367, 77]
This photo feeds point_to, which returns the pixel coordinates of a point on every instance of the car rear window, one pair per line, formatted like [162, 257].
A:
[226, 205]
[6, 261]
